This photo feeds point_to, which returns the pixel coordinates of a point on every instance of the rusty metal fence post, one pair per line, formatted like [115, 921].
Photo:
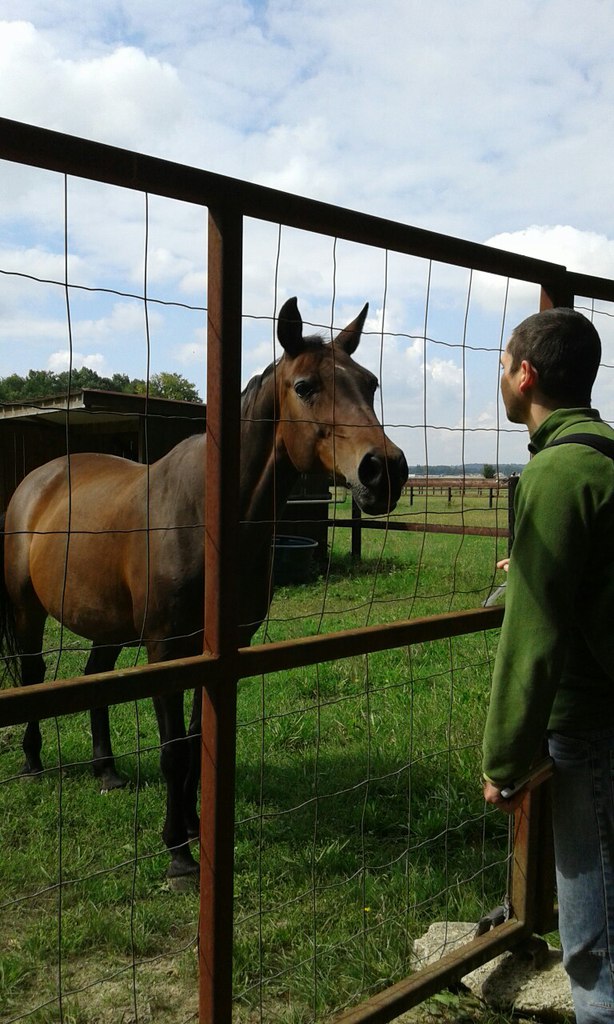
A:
[532, 893]
[221, 573]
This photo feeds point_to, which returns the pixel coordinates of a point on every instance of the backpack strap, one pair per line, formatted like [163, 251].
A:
[605, 445]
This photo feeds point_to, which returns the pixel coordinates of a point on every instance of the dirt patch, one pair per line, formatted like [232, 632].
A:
[165, 990]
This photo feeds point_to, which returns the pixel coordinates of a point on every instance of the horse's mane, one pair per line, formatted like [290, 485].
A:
[253, 388]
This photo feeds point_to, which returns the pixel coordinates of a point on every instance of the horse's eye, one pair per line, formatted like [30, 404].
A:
[303, 389]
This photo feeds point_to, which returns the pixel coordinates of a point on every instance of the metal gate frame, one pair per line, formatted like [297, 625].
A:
[222, 664]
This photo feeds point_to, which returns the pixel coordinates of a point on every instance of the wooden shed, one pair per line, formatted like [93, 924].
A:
[132, 426]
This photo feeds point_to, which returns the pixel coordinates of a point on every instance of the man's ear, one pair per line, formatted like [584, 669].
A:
[528, 376]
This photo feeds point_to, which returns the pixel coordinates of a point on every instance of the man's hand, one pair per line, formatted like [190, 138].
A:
[492, 795]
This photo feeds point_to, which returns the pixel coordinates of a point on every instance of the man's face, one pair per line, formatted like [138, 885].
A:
[513, 398]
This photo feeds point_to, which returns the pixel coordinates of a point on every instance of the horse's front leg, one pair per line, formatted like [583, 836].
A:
[174, 763]
[102, 659]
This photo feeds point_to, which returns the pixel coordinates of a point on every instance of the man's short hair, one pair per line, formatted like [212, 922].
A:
[565, 349]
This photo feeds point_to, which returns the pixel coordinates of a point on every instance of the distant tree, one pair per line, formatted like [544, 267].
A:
[44, 383]
[172, 385]
[80, 378]
[35, 384]
[11, 388]
[489, 472]
[120, 382]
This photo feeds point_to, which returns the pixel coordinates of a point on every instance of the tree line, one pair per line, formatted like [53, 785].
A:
[43, 383]
[486, 469]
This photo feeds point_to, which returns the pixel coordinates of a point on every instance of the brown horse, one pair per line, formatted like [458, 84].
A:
[113, 549]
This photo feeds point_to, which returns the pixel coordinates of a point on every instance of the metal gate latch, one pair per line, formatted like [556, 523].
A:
[494, 917]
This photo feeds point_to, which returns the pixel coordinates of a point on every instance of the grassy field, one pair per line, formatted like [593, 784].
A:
[358, 807]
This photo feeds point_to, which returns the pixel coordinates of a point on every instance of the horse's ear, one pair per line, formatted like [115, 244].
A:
[290, 328]
[349, 337]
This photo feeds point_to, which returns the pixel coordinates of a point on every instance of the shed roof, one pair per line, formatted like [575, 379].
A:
[112, 404]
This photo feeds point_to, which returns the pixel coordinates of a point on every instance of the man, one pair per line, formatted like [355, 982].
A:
[554, 671]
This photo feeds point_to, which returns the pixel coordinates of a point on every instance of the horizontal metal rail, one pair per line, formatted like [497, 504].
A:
[427, 981]
[587, 286]
[420, 527]
[66, 154]
[66, 696]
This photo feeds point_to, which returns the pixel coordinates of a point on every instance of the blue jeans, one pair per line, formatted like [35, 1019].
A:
[583, 821]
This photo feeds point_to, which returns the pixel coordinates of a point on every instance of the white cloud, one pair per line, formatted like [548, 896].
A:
[27, 331]
[59, 361]
[40, 263]
[123, 95]
[445, 374]
[587, 252]
[194, 282]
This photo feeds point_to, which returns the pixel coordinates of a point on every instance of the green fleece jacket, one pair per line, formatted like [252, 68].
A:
[554, 667]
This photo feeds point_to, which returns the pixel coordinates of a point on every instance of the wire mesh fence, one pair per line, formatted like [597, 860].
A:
[357, 809]
[358, 824]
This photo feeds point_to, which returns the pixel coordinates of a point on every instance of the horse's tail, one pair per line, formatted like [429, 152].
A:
[9, 646]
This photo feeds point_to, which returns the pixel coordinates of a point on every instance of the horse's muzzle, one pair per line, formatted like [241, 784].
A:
[380, 482]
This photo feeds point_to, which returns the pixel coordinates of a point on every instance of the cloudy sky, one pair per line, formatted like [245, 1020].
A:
[484, 120]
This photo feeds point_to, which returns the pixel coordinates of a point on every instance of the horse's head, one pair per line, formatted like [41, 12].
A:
[326, 415]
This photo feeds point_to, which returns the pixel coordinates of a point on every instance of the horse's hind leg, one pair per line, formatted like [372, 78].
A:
[29, 626]
[32, 672]
[102, 659]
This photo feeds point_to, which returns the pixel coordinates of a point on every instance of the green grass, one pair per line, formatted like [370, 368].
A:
[358, 807]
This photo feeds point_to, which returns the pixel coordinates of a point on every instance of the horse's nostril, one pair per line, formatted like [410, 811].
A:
[370, 470]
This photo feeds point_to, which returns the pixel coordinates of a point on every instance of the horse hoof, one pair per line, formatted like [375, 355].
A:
[183, 872]
[31, 774]
[110, 780]
[183, 883]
